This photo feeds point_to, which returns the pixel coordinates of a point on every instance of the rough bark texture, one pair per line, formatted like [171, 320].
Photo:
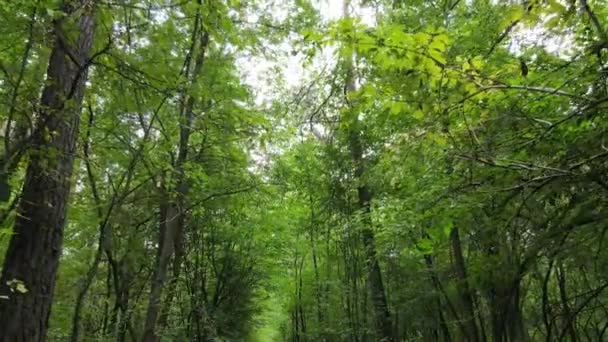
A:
[34, 250]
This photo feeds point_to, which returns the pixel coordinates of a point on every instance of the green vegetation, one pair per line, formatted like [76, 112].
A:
[293, 170]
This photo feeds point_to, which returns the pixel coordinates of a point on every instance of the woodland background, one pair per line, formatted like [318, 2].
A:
[231, 170]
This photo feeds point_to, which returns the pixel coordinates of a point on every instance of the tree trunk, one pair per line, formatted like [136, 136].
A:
[376, 285]
[464, 292]
[428, 259]
[507, 324]
[382, 317]
[34, 250]
[171, 288]
[567, 315]
[313, 248]
[172, 227]
[301, 303]
[166, 246]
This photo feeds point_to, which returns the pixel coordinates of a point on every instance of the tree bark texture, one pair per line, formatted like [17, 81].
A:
[30, 267]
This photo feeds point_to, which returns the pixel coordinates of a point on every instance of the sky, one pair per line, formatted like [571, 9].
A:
[259, 72]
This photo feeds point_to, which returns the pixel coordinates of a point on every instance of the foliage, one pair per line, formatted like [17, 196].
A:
[475, 128]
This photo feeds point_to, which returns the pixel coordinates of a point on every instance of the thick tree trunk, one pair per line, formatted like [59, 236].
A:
[34, 250]
[507, 324]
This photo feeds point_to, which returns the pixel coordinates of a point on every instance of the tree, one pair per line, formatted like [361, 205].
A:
[364, 196]
[300, 171]
[31, 262]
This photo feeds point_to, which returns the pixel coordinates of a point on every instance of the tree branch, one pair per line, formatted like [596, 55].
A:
[595, 21]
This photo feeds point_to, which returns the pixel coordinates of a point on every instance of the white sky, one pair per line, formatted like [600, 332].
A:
[260, 73]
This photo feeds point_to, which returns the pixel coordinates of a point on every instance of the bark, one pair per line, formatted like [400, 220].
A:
[171, 228]
[568, 316]
[382, 318]
[171, 288]
[464, 292]
[294, 323]
[516, 327]
[166, 249]
[507, 324]
[428, 259]
[35, 248]
[547, 312]
[376, 287]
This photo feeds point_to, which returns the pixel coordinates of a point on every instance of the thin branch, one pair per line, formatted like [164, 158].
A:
[551, 91]
[595, 21]
[23, 66]
[502, 36]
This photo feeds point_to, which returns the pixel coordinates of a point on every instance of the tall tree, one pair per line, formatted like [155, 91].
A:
[364, 196]
[433, 171]
[171, 233]
[31, 262]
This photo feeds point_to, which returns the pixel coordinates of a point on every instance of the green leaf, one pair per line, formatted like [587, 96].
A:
[397, 107]
[447, 227]
[422, 38]
[425, 245]
[437, 56]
